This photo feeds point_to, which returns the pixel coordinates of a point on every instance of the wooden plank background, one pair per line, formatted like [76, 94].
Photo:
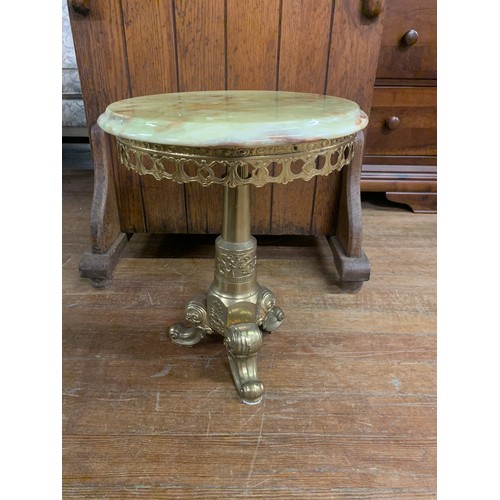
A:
[350, 380]
[130, 48]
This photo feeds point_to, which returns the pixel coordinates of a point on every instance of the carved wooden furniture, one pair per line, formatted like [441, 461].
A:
[400, 154]
[239, 139]
[127, 48]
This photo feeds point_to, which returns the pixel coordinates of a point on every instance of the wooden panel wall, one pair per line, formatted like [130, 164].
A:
[305, 38]
[136, 47]
[200, 52]
[252, 63]
[152, 70]
[104, 73]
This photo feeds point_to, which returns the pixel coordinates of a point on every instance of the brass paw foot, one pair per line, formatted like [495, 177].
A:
[196, 314]
[242, 342]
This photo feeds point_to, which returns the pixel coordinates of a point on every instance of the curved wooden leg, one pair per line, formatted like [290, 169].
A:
[107, 240]
[352, 264]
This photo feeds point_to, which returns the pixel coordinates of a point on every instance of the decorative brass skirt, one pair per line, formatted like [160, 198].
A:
[298, 161]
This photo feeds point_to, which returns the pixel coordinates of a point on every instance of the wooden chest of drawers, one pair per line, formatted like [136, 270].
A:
[401, 150]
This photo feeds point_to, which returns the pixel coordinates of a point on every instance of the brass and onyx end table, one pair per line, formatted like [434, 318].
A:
[235, 139]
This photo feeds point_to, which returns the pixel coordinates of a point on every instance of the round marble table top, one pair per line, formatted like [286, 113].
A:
[232, 118]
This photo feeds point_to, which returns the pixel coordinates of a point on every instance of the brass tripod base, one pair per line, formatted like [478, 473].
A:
[236, 306]
[241, 321]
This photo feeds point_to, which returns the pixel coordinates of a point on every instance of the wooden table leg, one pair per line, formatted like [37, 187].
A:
[107, 240]
[352, 264]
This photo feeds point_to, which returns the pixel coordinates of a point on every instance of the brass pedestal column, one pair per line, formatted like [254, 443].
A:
[236, 306]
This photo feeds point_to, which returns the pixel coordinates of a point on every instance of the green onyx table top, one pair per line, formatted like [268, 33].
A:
[232, 118]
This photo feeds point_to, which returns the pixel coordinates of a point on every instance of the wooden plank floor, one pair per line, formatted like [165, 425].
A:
[350, 379]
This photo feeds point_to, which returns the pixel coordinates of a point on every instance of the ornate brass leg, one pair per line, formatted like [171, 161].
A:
[242, 342]
[233, 302]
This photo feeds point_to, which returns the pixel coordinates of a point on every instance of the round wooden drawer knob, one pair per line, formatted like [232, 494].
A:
[410, 38]
[392, 122]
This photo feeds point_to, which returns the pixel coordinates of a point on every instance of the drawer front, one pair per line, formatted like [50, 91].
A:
[403, 54]
[403, 122]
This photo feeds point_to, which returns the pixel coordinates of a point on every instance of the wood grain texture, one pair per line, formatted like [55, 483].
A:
[352, 64]
[106, 239]
[252, 44]
[352, 264]
[404, 178]
[164, 206]
[153, 70]
[419, 202]
[104, 216]
[104, 74]
[105, 70]
[411, 71]
[303, 57]
[418, 61]
[416, 109]
[302, 68]
[151, 59]
[128, 48]
[349, 226]
[350, 402]
[354, 38]
[199, 32]
[325, 207]
[252, 63]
